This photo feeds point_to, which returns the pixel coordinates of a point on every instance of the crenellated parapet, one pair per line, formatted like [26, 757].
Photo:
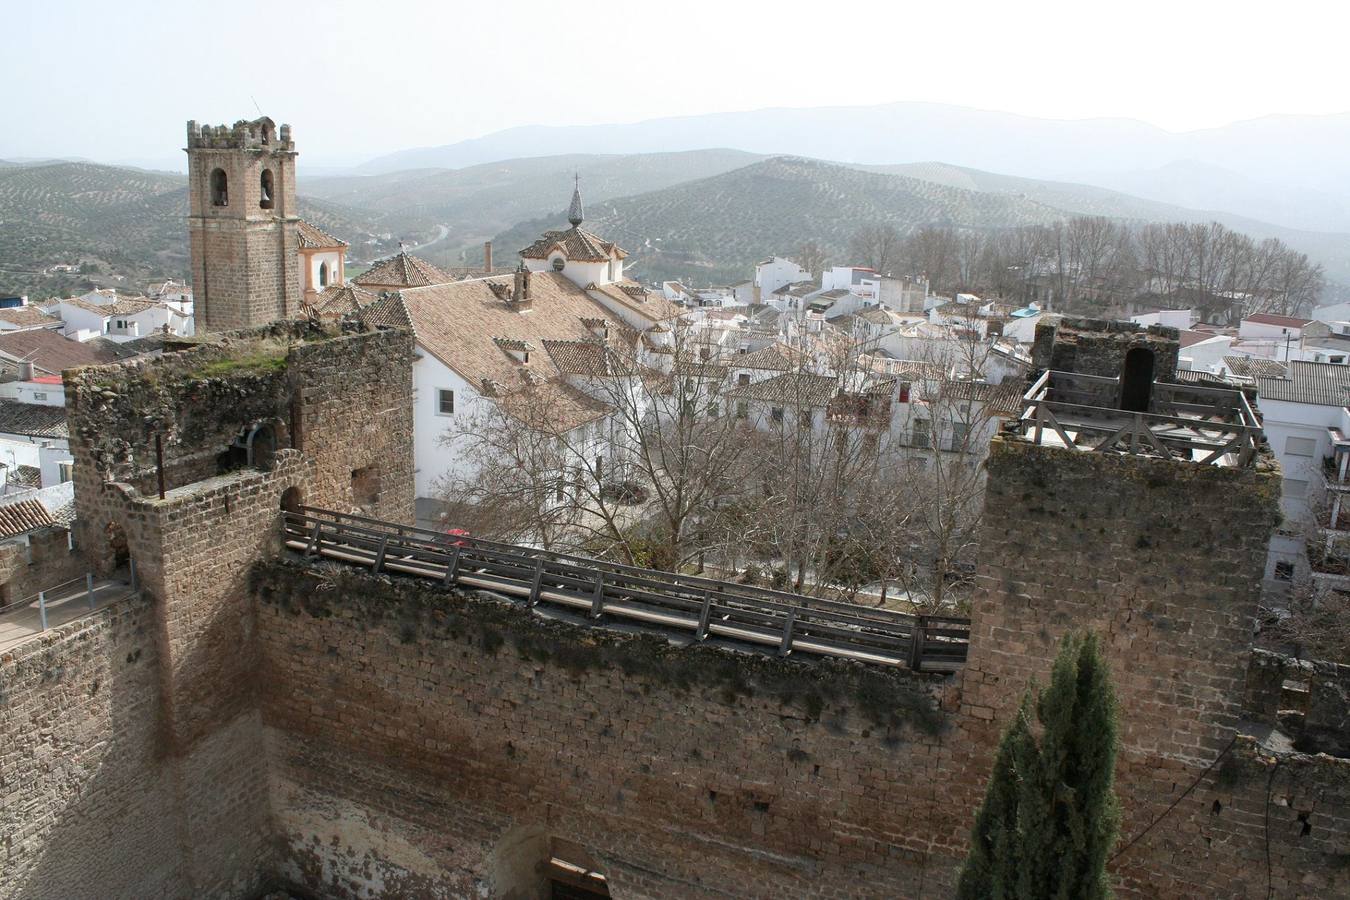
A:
[259, 134]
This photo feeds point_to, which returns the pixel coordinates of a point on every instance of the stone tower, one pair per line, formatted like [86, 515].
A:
[243, 224]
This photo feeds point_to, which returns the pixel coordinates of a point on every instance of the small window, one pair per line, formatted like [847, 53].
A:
[39, 395]
[742, 409]
[743, 378]
[1295, 488]
[323, 274]
[65, 471]
[704, 353]
[1284, 571]
[805, 419]
[777, 414]
[904, 392]
[445, 402]
[1299, 446]
[265, 194]
[220, 188]
[559, 263]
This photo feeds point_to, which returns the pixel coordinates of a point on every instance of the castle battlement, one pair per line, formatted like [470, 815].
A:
[1112, 387]
[260, 134]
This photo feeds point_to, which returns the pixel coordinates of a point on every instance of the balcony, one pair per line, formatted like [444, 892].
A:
[1191, 423]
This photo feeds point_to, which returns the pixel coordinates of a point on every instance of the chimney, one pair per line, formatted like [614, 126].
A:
[487, 257]
[25, 371]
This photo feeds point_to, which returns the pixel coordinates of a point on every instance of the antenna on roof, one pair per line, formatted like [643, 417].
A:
[256, 106]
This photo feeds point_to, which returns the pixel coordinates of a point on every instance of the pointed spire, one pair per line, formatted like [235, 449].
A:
[574, 213]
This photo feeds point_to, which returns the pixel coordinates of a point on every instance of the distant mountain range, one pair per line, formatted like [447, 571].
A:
[1291, 170]
[703, 214]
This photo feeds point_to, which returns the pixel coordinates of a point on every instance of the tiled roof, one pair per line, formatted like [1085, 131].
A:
[793, 387]
[374, 310]
[30, 476]
[1200, 376]
[514, 344]
[876, 315]
[459, 324]
[312, 238]
[51, 352]
[22, 516]
[577, 244]
[798, 289]
[116, 308]
[1282, 321]
[1320, 384]
[26, 317]
[778, 357]
[32, 419]
[1001, 399]
[1189, 337]
[630, 295]
[579, 357]
[1252, 366]
[402, 270]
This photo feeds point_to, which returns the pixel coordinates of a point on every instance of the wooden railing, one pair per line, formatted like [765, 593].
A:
[1184, 422]
[598, 590]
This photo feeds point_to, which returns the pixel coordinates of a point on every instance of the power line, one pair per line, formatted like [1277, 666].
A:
[1184, 794]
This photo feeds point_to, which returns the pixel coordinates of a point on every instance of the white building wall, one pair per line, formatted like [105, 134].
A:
[777, 271]
[432, 461]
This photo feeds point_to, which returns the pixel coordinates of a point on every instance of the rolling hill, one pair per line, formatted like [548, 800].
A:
[116, 221]
[476, 202]
[715, 228]
[1267, 156]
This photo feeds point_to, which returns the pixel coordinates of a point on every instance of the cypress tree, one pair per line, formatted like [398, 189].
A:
[1049, 816]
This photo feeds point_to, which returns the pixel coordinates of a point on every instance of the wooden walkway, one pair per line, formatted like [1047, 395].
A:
[700, 607]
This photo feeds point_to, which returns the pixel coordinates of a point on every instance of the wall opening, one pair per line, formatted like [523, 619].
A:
[323, 274]
[366, 487]
[220, 188]
[1136, 380]
[265, 195]
[292, 500]
[118, 549]
[261, 444]
[573, 874]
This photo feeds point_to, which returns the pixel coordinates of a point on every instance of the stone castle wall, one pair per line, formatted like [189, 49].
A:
[416, 736]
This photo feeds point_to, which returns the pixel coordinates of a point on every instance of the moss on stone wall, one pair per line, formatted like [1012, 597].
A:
[817, 689]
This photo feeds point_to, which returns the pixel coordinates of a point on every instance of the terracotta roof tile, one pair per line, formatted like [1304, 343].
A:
[777, 357]
[27, 317]
[579, 357]
[793, 387]
[33, 419]
[1252, 366]
[402, 270]
[631, 295]
[312, 238]
[577, 245]
[51, 352]
[23, 516]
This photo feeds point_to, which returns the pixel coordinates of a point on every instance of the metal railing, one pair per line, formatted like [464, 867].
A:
[80, 595]
[597, 589]
[1183, 421]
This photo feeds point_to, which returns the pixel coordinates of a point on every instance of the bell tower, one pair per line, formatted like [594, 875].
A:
[243, 224]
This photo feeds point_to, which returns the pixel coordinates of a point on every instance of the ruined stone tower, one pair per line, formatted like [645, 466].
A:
[243, 224]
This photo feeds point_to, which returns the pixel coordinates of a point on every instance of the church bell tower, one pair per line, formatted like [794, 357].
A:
[243, 224]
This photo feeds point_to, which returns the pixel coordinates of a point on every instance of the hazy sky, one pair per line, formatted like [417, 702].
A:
[115, 80]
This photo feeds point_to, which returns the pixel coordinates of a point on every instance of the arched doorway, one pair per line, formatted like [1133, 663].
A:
[1136, 380]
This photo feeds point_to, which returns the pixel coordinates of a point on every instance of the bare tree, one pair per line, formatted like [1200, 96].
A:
[811, 257]
[875, 246]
